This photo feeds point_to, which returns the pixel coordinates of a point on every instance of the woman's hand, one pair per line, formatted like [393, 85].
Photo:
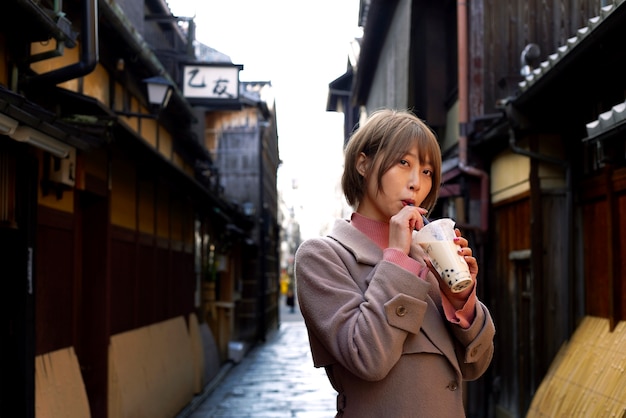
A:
[402, 225]
[466, 252]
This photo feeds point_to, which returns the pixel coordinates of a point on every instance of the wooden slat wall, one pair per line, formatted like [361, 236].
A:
[54, 282]
[596, 262]
[511, 232]
[123, 280]
[508, 29]
[150, 282]
[147, 304]
[605, 287]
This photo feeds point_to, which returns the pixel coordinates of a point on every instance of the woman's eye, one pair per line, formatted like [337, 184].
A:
[404, 162]
[429, 173]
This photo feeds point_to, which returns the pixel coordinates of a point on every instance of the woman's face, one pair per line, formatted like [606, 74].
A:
[407, 182]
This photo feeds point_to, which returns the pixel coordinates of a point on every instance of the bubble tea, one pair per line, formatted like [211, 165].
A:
[437, 239]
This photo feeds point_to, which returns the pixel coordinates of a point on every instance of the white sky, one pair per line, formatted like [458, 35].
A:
[300, 47]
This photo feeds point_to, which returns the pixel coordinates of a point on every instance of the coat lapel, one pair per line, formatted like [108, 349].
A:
[367, 252]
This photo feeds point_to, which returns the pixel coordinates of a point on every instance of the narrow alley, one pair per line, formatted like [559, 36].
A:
[275, 379]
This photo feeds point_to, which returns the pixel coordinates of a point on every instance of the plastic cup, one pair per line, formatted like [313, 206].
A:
[437, 240]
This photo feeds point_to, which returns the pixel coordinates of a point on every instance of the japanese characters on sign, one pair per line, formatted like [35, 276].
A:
[211, 81]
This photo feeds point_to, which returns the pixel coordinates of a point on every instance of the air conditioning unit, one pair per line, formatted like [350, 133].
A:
[63, 170]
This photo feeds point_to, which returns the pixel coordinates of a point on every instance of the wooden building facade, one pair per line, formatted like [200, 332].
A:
[128, 267]
[527, 99]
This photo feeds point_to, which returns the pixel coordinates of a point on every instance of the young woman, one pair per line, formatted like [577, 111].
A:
[394, 340]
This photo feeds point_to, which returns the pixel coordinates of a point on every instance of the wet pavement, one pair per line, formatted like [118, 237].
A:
[275, 379]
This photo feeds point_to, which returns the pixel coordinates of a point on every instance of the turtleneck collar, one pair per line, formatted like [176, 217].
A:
[375, 230]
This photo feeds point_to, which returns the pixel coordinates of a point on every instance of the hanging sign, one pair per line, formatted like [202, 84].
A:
[211, 81]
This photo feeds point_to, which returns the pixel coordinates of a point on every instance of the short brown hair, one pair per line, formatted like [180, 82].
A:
[386, 136]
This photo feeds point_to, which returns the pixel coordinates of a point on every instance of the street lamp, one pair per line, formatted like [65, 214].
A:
[159, 93]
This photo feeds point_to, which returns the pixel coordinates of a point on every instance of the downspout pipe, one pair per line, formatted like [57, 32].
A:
[89, 53]
[463, 70]
[569, 215]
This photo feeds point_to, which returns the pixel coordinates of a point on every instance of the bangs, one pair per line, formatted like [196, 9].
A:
[429, 150]
[395, 147]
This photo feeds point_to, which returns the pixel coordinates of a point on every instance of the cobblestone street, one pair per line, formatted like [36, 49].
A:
[275, 379]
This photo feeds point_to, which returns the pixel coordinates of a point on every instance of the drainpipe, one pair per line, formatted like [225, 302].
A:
[88, 52]
[569, 213]
[463, 115]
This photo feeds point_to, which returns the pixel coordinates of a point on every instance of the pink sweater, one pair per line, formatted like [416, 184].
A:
[379, 233]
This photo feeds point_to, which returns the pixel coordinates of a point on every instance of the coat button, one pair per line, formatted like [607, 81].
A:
[401, 310]
[453, 385]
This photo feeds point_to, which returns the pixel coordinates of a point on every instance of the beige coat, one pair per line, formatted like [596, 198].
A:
[380, 331]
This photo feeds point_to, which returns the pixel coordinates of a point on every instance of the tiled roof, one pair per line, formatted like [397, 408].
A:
[607, 120]
[571, 44]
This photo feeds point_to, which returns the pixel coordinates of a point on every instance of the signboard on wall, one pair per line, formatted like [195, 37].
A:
[211, 81]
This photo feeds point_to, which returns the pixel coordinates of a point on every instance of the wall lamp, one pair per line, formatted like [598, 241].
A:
[41, 140]
[159, 93]
[12, 128]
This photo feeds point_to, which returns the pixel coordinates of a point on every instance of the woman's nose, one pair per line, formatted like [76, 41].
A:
[414, 180]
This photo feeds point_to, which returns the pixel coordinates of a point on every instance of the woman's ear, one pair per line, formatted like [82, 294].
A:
[362, 164]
